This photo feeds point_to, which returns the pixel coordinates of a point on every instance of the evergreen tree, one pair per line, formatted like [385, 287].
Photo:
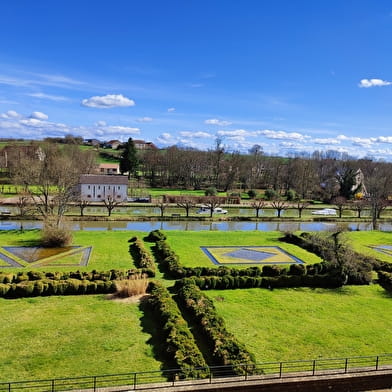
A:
[129, 160]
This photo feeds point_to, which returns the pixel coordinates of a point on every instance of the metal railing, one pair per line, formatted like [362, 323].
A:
[171, 378]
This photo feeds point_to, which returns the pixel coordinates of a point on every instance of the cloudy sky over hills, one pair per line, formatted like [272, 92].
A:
[289, 76]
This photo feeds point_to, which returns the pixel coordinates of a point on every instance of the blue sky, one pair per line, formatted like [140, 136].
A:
[291, 76]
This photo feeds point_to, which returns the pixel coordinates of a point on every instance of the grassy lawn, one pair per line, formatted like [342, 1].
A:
[110, 248]
[363, 241]
[303, 323]
[47, 337]
[187, 245]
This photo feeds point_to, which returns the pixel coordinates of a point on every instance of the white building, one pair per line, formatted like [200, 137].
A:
[95, 187]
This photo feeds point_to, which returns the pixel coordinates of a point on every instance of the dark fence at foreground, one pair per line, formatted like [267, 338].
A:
[159, 379]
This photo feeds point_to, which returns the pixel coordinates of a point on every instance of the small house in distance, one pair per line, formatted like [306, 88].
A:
[95, 187]
[109, 168]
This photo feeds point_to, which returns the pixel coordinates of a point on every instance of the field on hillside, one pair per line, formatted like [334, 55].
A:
[302, 323]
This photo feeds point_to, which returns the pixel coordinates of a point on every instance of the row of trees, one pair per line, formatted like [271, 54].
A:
[319, 176]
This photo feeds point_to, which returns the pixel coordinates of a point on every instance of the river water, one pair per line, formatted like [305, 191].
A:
[148, 226]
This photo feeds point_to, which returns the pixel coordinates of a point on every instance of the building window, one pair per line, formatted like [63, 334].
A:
[88, 195]
[88, 187]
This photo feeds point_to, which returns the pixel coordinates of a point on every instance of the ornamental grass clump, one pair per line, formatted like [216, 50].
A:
[135, 285]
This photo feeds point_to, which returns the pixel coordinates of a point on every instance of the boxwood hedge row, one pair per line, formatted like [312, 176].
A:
[226, 349]
[385, 280]
[180, 347]
[93, 275]
[269, 282]
[45, 287]
[141, 256]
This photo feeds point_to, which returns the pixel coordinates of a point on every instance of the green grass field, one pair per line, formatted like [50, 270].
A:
[187, 245]
[303, 323]
[47, 337]
[51, 337]
[364, 241]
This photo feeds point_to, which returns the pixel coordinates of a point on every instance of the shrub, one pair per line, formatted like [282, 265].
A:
[385, 280]
[53, 236]
[136, 284]
[155, 236]
[270, 194]
[181, 349]
[141, 256]
[225, 348]
[252, 193]
[291, 195]
[211, 191]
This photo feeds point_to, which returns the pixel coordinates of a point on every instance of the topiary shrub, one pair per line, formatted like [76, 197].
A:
[155, 236]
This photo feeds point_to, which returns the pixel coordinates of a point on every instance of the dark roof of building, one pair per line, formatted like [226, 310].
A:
[103, 179]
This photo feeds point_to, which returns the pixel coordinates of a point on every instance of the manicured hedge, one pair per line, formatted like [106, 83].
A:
[141, 256]
[385, 280]
[271, 282]
[94, 275]
[180, 346]
[46, 287]
[225, 348]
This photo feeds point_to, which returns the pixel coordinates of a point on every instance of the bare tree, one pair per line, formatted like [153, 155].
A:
[341, 203]
[212, 202]
[258, 205]
[187, 203]
[301, 205]
[162, 207]
[82, 205]
[110, 203]
[359, 206]
[279, 206]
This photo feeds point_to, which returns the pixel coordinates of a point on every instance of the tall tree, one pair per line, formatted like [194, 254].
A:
[51, 177]
[129, 160]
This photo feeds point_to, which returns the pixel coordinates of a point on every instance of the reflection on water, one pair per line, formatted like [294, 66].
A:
[200, 226]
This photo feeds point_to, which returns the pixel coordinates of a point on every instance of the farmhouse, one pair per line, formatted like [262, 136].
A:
[109, 168]
[95, 187]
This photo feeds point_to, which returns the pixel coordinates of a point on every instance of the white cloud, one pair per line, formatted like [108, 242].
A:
[167, 139]
[100, 123]
[235, 133]
[171, 110]
[384, 139]
[117, 130]
[57, 98]
[108, 101]
[10, 114]
[215, 121]
[197, 135]
[39, 116]
[144, 119]
[281, 135]
[366, 83]
[325, 141]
